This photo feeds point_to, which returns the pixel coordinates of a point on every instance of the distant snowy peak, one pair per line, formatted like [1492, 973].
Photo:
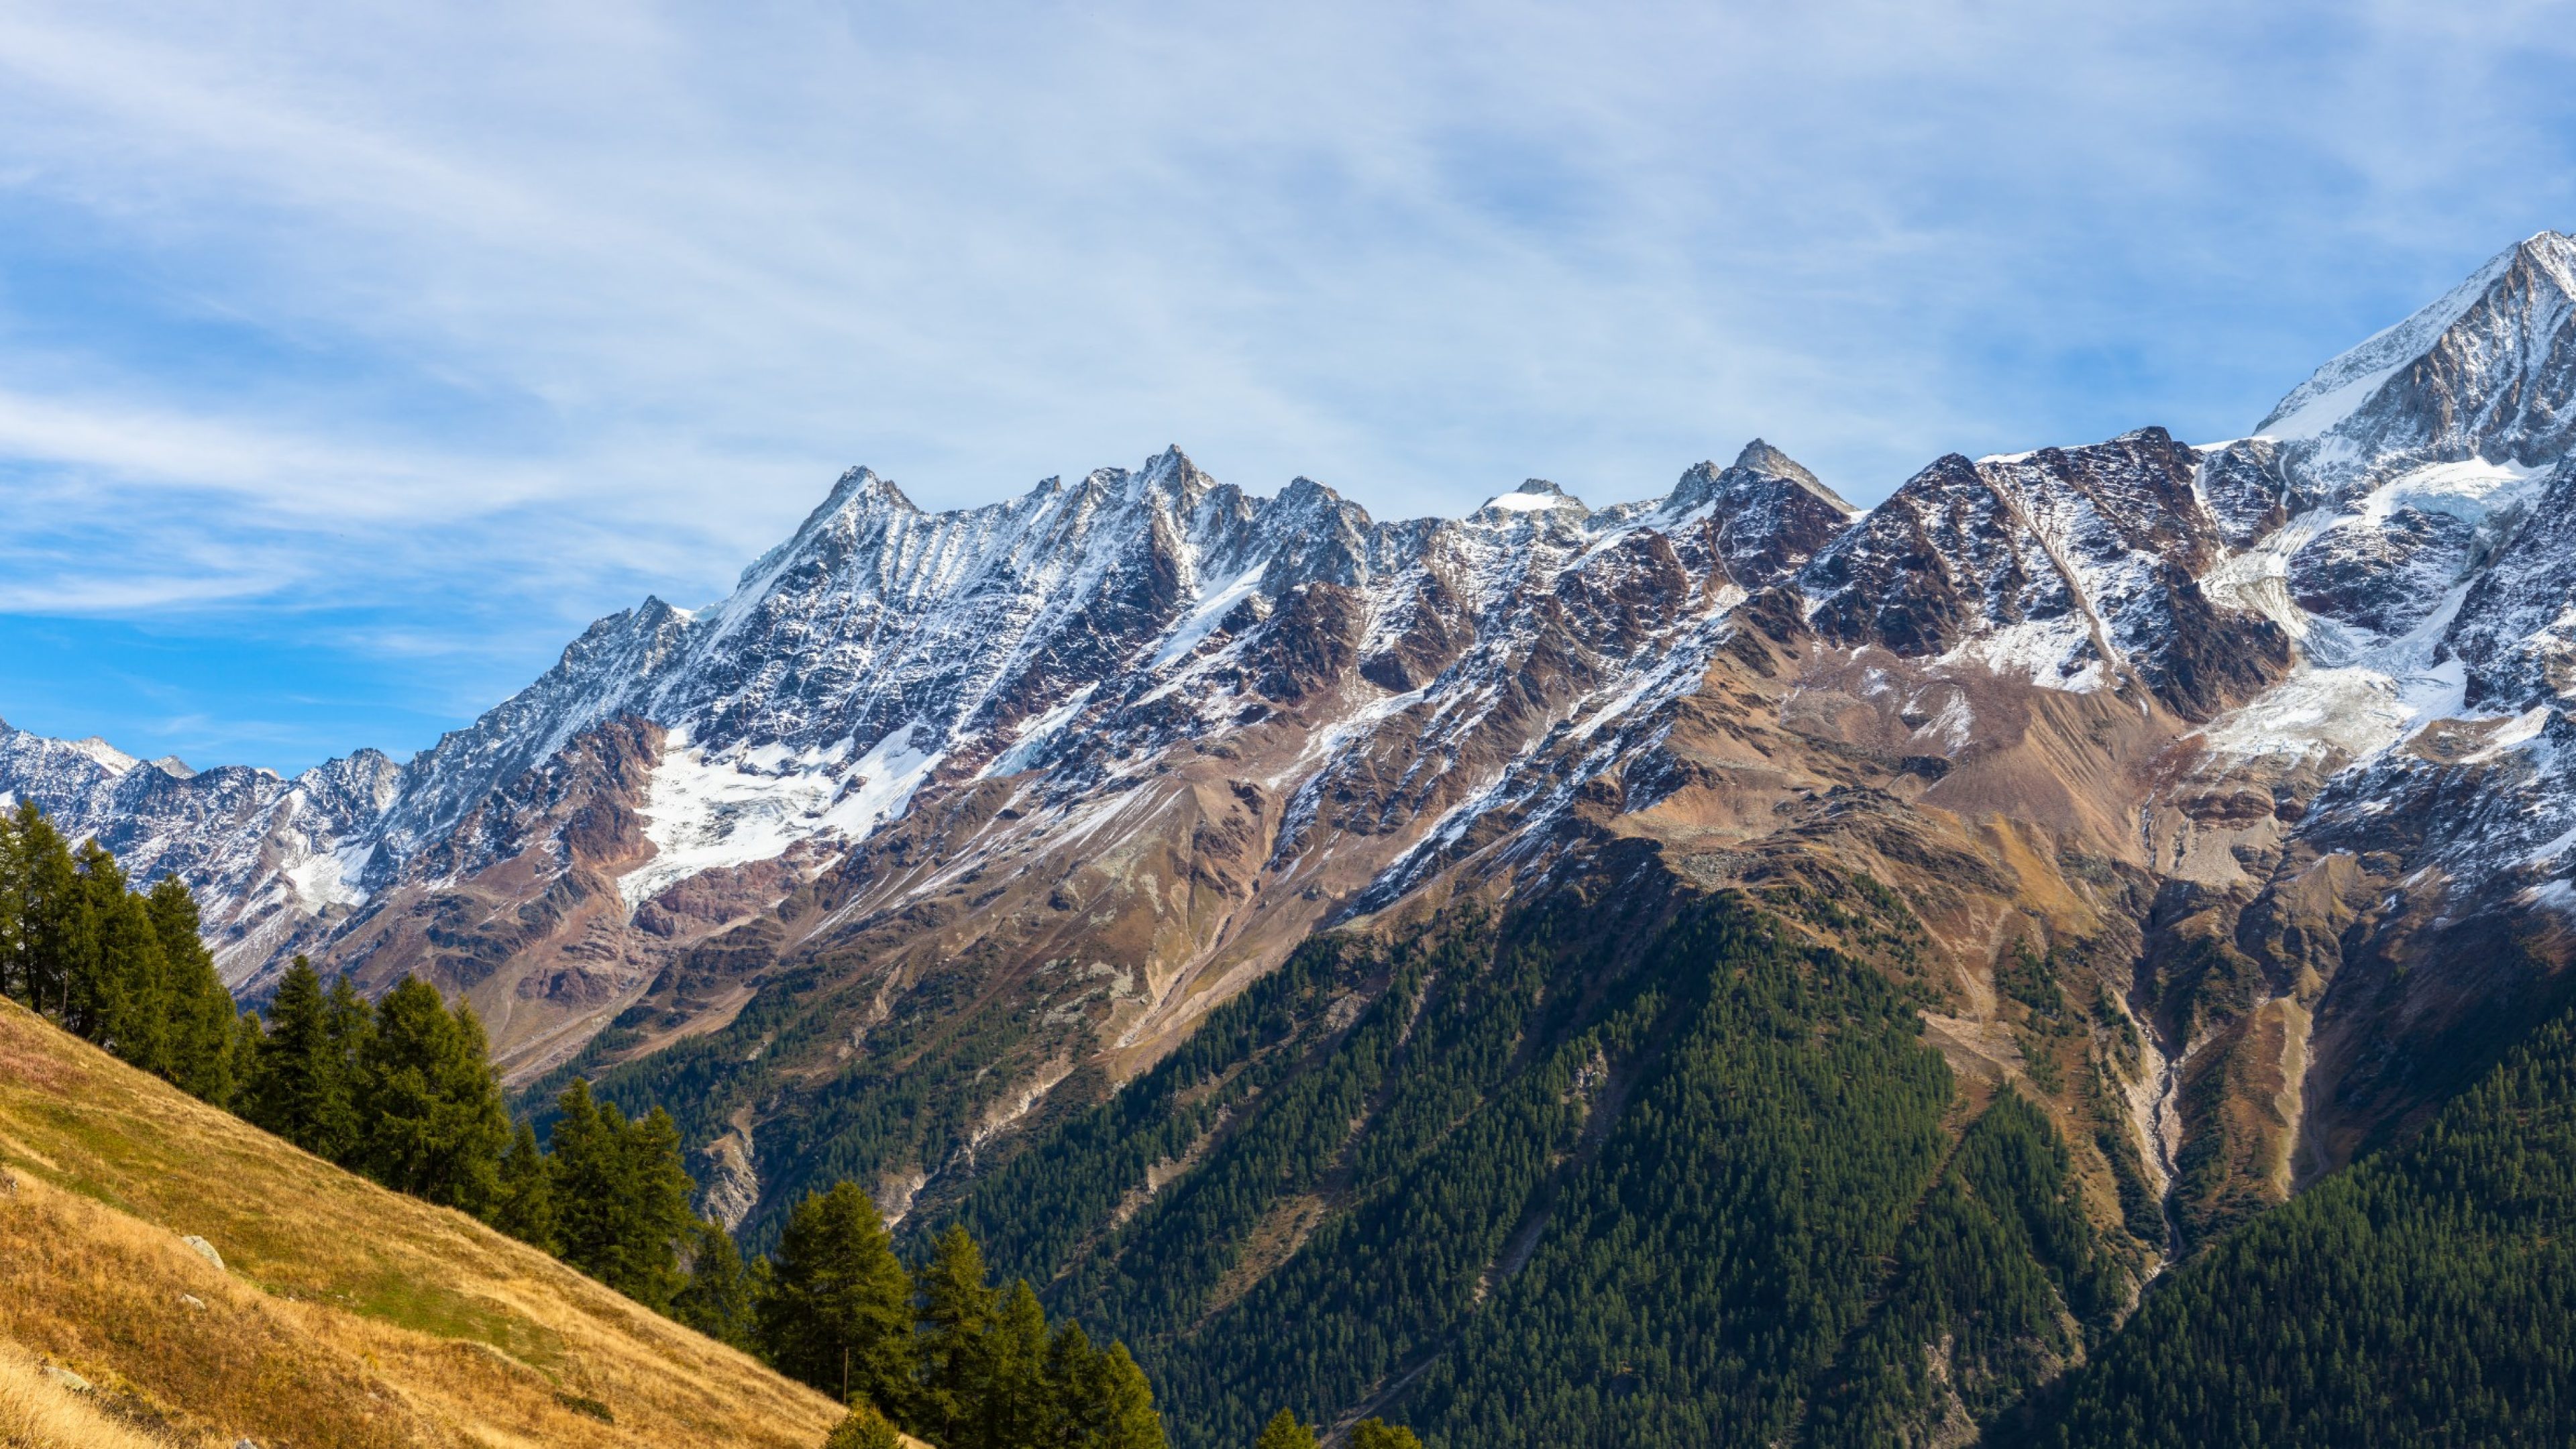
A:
[1535, 495]
[2072, 568]
[1761, 459]
[2339, 388]
[1765, 514]
[2489, 370]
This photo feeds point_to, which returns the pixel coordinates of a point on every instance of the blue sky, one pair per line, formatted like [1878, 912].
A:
[353, 356]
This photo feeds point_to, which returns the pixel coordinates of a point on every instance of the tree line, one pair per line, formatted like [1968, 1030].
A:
[123, 968]
[408, 1096]
[403, 1091]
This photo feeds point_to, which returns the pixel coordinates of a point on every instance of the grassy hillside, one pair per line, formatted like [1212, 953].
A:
[343, 1315]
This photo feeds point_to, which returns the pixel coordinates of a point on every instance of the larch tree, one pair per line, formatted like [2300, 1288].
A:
[431, 1107]
[838, 1313]
[1284, 1432]
[717, 1299]
[301, 1086]
[957, 1308]
[523, 1204]
[202, 1013]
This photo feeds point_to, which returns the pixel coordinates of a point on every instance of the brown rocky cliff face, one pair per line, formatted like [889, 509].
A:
[540, 938]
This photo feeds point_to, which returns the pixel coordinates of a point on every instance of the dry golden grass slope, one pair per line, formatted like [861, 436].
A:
[344, 1314]
[41, 1413]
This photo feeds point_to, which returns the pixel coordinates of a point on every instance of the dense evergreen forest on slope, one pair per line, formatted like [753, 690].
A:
[2425, 1296]
[1626, 1170]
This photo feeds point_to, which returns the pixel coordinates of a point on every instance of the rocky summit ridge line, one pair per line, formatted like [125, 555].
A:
[2249, 732]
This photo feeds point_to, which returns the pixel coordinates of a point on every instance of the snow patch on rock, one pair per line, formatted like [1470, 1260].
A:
[704, 811]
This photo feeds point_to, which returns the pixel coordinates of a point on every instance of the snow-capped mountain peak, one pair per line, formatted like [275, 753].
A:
[1535, 495]
[1760, 457]
[2485, 371]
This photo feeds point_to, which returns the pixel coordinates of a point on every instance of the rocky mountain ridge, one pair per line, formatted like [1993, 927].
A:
[2263, 743]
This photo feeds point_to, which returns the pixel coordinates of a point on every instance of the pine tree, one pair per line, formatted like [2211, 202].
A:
[864, 1428]
[434, 1126]
[1284, 1432]
[54, 927]
[1071, 1376]
[621, 1197]
[89, 994]
[659, 1219]
[1018, 1404]
[127, 999]
[524, 1204]
[241, 1060]
[1101, 1399]
[126, 971]
[591, 1184]
[200, 1037]
[838, 1310]
[717, 1300]
[1379, 1434]
[957, 1311]
[13, 903]
[1120, 1411]
[349, 1022]
[301, 1088]
[101, 888]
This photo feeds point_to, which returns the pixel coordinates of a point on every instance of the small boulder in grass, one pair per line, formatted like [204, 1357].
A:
[205, 1250]
[66, 1378]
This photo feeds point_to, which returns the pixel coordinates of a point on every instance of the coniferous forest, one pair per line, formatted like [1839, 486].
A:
[1637, 1170]
[1655, 1179]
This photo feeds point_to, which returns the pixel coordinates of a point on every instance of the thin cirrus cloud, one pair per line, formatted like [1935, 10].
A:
[356, 355]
